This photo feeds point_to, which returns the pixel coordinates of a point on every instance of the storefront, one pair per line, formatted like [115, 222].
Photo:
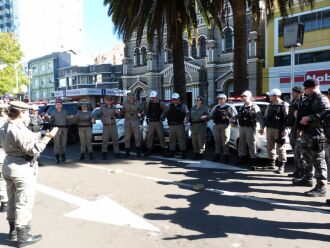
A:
[92, 95]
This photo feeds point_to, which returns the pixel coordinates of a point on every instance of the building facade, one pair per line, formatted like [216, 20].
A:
[312, 59]
[90, 83]
[208, 64]
[7, 16]
[114, 57]
[44, 75]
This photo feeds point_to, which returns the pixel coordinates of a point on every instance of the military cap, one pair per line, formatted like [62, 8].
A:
[84, 105]
[298, 89]
[175, 96]
[19, 105]
[274, 92]
[311, 83]
[247, 93]
[34, 107]
[58, 100]
[222, 96]
[130, 94]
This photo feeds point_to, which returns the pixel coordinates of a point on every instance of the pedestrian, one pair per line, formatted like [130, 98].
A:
[248, 116]
[199, 115]
[313, 140]
[59, 118]
[3, 190]
[85, 120]
[297, 94]
[20, 170]
[177, 115]
[109, 116]
[154, 110]
[222, 115]
[275, 120]
[132, 111]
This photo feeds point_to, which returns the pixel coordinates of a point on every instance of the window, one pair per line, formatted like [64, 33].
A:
[228, 41]
[185, 48]
[202, 47]
[326, 19]
[62, 83]
[144, 56]
[136, 57]
[194, 49]
[303, 58]
[42, 68]
[36, 83]
[310, 22]
[50, 66]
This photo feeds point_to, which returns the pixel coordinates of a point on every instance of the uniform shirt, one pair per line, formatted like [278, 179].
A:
[276, 115]
[197, 113]
[3, 120]
[20, 142]
[59, 118]
[84, 119]
[35, 123]
[154, 110]
[108, 115]
[184, 111]
[227, 111]
[131, 113]
[257, 114]
[291, 120]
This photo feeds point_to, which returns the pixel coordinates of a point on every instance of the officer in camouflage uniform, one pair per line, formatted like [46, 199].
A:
[297, 94]
[132, 111]
[108, 117]
[222, 114]
[85, 120]
[35, 120]
[248, 116]
[20, 170]
[59, 118]
[177, 115]
[312, 137]
[275, 120]
[3, 191]
[199, 115]
[154, 112]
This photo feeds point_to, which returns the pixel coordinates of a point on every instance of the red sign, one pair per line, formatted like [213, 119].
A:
[323, 76]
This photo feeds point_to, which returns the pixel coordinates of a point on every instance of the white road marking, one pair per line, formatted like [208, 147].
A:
[217, 191]
[103, 210]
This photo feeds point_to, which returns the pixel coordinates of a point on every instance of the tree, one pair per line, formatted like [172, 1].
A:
[10, 55]
[154, 16]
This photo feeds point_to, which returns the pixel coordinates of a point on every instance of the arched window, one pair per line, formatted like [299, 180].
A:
[185, 48]
[144, 56]
[202, 47]
[194, 49]
[228, 44]
[136, 57]
[168, 55]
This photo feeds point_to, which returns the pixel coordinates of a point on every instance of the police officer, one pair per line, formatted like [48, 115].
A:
[36, 121]
[154, 111]
[248, 116]
[275, 120]
[222, 114]
[59, 118]
[132, 111]
[312, 137]
[108, 117]
[20, 170]
[3, 191]
[297, 94]
[177, 115]
[199, 116]
[85, 120]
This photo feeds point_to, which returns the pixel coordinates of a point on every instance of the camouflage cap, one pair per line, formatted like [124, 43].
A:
[19, 105]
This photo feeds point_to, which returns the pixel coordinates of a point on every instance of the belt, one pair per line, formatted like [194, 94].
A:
[61, 126]
[153, 120]
[175, 123]
[195, 122]
[85, 126]
[109, 124]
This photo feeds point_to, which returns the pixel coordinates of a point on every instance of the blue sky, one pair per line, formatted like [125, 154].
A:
[99, 32]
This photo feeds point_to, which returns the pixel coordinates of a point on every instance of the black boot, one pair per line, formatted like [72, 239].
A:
[127, 152]
[24, 239]
[281, 166]
[58, 161]
[171, 154]
[138, 152]
[91, 156]
[318, 191]
[104, 155]
[148, 153]
[183, 155]
[3, 207]
[164, 152]
[303, 181]
[12, 236]
[226, 158]
[216, 157]
[82, 156]
[117, 155]
[327, 202]
[196, 156]
[63, 158]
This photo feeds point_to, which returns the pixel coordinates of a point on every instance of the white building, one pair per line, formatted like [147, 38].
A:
[45, 26]
[114, 57]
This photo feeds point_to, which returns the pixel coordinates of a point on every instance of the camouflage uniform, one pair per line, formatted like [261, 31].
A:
[3, 191]
[313, 141]
[35, 123]
[60, 119]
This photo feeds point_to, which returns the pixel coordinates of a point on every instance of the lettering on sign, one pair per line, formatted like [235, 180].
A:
[323, 76]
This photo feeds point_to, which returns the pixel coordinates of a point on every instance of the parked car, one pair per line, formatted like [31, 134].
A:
[97, 128]
[261, 140]
[145, 128]
[72, 109]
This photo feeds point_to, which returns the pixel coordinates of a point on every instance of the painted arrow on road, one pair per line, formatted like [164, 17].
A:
[103, 210]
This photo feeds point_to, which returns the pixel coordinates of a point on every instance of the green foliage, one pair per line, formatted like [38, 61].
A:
[10, 56]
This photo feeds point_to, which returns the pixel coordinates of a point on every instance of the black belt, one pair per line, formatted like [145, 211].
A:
[61, 126]
[175, 123]
[109, 124]
[195, 122]
[154, 120]
[85, 126]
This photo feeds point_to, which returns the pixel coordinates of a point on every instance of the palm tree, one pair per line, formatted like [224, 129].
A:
[154, 16]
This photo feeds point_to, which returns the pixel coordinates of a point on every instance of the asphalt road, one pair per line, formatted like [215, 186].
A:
[154, 202]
